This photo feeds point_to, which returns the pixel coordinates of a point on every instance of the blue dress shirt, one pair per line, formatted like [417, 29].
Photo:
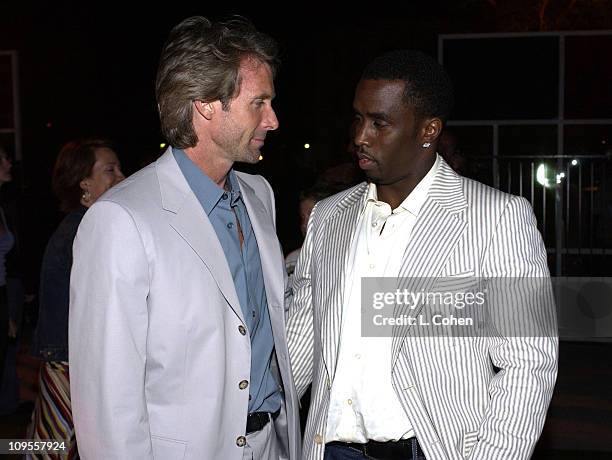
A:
[225, 210]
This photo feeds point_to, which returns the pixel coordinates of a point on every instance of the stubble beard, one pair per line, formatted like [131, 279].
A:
[246, 155]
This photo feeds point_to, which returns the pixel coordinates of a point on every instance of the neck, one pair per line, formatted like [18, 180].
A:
[395, 193]
[214, 166]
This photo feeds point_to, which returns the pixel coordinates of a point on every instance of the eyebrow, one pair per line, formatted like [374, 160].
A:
[264, 96]
[376, 115]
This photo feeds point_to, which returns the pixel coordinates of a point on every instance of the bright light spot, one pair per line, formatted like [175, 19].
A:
[574, 162]
[541, 176]
[306, 146]
[560, 176]
[260, 157]
[162, 145]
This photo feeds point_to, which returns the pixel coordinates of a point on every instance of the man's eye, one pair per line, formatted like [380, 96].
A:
[378, 124]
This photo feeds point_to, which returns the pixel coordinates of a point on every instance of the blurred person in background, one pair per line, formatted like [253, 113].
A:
[12, 289]
[308, 199]
[83, 171]
[7, 240]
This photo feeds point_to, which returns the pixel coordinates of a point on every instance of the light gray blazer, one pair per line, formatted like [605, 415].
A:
[458, 405]
[156, 341]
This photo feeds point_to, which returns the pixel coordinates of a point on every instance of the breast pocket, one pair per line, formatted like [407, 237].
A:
[457, 305]
[168, 448]
[469, 441]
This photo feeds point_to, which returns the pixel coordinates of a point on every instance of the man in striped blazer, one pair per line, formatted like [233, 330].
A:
[419, 392]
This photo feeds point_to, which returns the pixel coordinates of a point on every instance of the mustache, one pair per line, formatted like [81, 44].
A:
[361, 153]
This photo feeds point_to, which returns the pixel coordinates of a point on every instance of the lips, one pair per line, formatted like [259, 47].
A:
[365, 161]
[259, 141]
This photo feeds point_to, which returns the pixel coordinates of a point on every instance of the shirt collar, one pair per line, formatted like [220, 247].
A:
[233, 187]
[415, 199]
[206, 191]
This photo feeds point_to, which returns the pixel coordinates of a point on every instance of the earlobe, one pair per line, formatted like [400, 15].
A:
[86, 195]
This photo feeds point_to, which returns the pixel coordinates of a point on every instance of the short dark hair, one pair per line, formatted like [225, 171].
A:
[428, 87]
[200, 61]
[74, 163]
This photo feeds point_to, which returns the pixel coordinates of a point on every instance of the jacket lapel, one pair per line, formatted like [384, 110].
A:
[186, 216]
[439, 226]
[336, 243]
[267, 243]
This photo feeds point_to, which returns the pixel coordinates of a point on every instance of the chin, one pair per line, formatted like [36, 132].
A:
[250, 157]
[372, 177]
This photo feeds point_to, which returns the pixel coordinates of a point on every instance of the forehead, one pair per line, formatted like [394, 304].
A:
[380, 96]
[104, 154]
[255, 77]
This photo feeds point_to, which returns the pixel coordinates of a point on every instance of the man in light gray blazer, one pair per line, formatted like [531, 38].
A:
[177, 324]
[420, 391]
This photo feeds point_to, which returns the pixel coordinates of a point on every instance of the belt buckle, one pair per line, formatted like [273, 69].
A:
[258, 421]
[381, 450]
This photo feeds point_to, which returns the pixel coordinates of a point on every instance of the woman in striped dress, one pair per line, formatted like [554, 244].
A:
[84, 170]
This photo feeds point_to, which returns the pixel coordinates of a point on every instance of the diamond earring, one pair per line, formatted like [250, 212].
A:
[426, 145]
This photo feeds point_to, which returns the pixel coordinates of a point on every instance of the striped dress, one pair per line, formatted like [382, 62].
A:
[52, 417]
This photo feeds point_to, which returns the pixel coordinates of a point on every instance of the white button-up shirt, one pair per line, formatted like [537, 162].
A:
[363, 405]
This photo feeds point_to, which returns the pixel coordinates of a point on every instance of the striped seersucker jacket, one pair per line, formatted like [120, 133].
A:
[481, 397]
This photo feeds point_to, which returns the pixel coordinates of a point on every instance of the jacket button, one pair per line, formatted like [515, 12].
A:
[243, 384]
[240, 441]
[318, 439]
[242, 330]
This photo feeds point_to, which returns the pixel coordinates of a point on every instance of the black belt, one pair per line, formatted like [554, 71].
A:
[257, 420]
[390, 450]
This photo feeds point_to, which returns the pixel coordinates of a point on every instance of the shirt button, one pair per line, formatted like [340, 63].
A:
[372, 266]
[224, 196]
[243, 384]
[318, 439]
[241, 441]
[357, 356]
[230, 225]
[374, 224]
[242, 330]
[349, 402]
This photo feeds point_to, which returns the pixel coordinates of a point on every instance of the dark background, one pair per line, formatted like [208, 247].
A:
[89, 69]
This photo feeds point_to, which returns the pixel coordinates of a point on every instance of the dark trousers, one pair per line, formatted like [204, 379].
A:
[340, 451]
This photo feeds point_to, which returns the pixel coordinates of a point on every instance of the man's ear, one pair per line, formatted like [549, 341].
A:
[206, 109]
[84, 184]
[432, 128]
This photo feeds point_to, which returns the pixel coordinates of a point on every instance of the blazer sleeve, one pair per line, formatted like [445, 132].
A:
[108, 323]
[300, 326]
[524, 346]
